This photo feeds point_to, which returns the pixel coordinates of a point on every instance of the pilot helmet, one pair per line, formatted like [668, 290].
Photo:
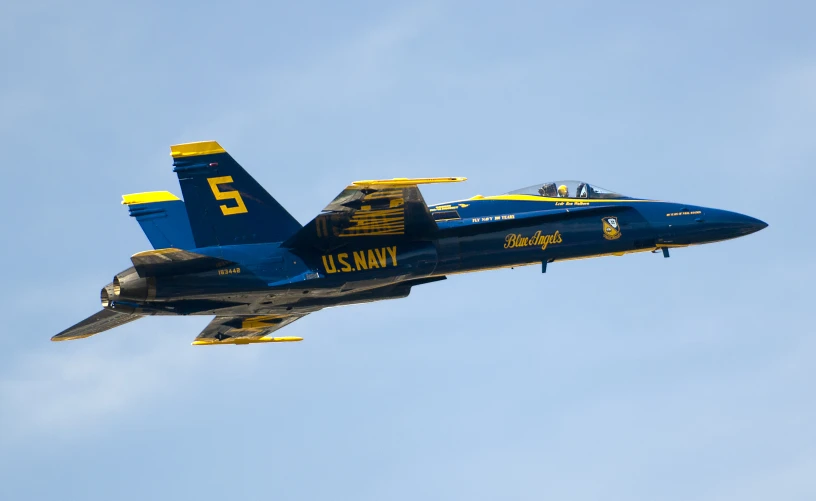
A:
[563, 191]
[548, 190]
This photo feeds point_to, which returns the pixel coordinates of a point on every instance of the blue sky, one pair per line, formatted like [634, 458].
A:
[617, 378]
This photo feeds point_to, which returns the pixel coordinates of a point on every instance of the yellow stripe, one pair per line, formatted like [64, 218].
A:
[398, 226]
[148, 197]
[379, 212]
[404, 181]
[649, 249]
[156, 252]
[378, 222]
[536, 198]
[212, 341]
[196, 149]
[282, 339]
[590, 256]
[376, 216]
[388, 231]
[489, 268]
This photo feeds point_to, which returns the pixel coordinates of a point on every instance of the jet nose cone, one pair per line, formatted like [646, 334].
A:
[748, 224]
[734, 224]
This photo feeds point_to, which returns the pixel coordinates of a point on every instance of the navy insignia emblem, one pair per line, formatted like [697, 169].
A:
[611, 228]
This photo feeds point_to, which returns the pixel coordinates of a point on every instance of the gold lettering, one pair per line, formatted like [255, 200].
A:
[240, 207]
[393, 252]
[341, 258]
[360, 260]
[546, 239]
[329, 264]
[514, 240]
[372, 261]
[381, 257]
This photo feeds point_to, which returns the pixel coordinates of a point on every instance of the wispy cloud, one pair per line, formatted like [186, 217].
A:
[73, 388]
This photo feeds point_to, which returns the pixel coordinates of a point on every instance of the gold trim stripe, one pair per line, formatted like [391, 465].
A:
[404, 181]
[196, 149]
[148, 197]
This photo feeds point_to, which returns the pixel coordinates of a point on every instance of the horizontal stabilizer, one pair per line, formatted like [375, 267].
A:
[247, 330]
[165, 262]
[371, 208]
[96, 323]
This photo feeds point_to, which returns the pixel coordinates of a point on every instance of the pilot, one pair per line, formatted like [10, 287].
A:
[548, 190]
[563, 191]
[581, 192]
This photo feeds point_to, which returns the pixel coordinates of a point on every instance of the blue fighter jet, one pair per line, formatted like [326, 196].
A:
[230, 250]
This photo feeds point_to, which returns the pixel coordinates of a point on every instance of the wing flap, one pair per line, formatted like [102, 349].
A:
[96, 323]
[246, 330]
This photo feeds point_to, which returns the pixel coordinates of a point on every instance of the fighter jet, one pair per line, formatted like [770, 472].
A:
[231, 250]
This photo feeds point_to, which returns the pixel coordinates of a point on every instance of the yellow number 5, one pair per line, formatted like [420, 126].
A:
[227, 195]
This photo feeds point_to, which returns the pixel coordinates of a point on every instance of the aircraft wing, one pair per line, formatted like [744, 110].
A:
[246, 330]
[371, 208]
[96, 323]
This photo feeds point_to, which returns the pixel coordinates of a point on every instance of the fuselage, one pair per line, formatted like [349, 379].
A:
[476, 234]
[231, 250]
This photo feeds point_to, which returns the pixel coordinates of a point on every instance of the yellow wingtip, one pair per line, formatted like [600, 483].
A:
[284, 339]
[148, 197]
[405, 181]
[237, 341]
[196, 149]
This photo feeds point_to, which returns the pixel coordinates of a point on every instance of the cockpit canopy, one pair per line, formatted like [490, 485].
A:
[567, 189]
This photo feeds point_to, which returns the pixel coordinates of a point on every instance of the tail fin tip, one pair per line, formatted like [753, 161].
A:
[148, 197]
[196, 149]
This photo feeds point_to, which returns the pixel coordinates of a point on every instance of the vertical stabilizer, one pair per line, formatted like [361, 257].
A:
[225, 205]
[163, 219]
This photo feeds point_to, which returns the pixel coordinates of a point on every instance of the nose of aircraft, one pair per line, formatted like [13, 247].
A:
[714, 225]
[700, 225]
[734, 224]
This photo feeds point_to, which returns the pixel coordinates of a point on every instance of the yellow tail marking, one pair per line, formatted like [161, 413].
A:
[240, 208]
[196, 149]
[148, 197]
